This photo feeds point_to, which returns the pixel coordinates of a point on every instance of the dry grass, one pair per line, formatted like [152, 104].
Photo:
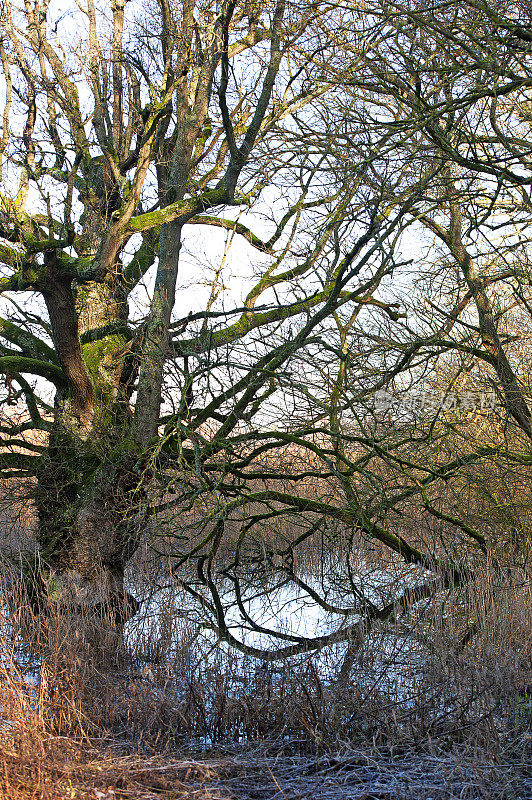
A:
[456, 721]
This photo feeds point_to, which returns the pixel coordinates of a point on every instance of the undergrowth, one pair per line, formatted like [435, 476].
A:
[456, 672]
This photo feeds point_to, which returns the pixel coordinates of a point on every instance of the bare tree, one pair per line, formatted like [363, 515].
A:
[130, 131]
[442, 96]
[333, 134]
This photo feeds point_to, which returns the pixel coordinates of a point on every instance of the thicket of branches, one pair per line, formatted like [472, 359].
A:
[367, 166]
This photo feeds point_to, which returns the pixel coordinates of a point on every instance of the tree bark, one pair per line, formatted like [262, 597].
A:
[88, 498]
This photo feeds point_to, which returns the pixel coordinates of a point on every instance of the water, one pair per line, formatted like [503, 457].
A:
[274, 615]
[176, 632]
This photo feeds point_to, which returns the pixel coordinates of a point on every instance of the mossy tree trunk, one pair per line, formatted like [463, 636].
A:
[90, 504]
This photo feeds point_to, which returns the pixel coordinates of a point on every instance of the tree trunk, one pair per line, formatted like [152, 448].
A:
[88, 498]
[90, 520]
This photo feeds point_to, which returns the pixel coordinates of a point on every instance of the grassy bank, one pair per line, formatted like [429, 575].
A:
[439, 699]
